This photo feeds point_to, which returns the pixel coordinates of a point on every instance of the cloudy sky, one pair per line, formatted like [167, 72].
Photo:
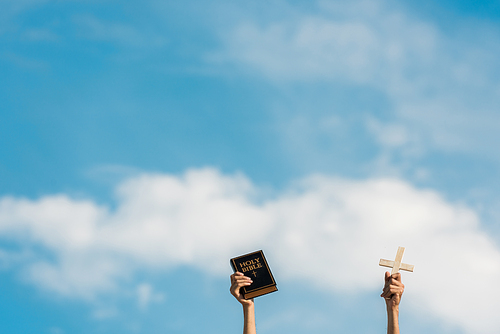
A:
[144, 143]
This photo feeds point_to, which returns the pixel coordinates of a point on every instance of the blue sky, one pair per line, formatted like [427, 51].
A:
[144, 143]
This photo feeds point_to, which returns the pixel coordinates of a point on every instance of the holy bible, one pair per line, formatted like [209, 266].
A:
[254, 265]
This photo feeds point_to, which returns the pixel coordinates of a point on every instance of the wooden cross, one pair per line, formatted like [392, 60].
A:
[396, 264]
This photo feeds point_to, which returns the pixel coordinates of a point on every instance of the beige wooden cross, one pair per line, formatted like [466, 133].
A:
[396, 264]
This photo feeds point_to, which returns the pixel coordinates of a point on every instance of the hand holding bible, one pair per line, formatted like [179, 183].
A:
[238, 280]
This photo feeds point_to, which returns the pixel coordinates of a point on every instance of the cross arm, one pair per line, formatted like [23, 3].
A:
[390, 264]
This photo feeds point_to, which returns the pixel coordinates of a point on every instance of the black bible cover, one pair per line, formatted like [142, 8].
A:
[254, 265]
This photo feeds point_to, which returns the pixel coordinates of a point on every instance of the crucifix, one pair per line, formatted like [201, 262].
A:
[396, 264]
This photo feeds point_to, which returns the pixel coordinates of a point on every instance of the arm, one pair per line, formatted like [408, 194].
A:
[392, 293]
[238, 280]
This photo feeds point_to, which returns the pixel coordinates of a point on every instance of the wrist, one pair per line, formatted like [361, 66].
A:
[248, 305]
[248, 310]
[393, 310]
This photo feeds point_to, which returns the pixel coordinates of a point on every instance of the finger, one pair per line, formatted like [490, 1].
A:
[386, 287]
[243, 279]
[397, 277]
[387, 275]
[386, 296]
[396, 284]
[390, 290]
[395, 280]
[398, 293]
[238, 284]
[235, 291]
[396, 289]
[241, 284]
[237, 276]
[389, 295]
[240, 278]
[386, 292]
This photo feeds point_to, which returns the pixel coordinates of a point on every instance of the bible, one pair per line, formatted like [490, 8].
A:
[254, 265]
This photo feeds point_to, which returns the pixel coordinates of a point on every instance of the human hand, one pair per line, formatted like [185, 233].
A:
[393, 290]
[238, 280]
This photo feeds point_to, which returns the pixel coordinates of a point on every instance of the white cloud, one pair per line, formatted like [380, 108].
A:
[146, 295]
[40, 35]
[25, 62]
[120, 33]
[12, 7]
[442, 86]
[56, 330]
[390, 135]
[327, 231]
[359, 42]
[105, 313]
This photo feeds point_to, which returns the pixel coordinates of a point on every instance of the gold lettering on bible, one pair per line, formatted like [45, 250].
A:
[250, 265]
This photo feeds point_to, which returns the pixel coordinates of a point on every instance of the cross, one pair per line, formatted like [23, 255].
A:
[254, 273]
[396, 264]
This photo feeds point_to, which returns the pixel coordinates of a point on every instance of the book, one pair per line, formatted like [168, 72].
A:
[254, 265]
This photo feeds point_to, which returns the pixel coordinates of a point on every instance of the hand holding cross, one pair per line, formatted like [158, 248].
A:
[393, 289]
